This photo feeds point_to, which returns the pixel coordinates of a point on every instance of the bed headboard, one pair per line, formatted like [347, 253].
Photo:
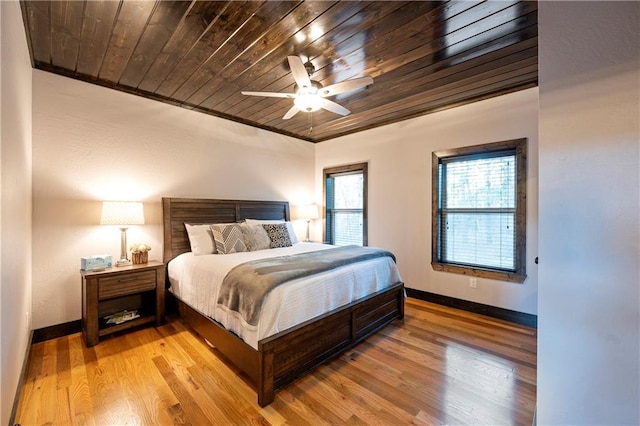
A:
[178, 211]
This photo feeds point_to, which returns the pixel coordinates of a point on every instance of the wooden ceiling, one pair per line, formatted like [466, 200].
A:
[423, 56]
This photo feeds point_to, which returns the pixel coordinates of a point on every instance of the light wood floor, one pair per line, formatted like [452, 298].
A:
[438, 366]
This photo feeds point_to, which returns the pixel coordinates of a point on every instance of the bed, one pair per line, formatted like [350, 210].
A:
[273, 362]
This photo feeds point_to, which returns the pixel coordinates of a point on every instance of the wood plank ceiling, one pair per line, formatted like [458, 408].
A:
[423, 56]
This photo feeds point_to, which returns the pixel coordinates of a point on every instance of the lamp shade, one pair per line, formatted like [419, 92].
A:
[308, 212]
[122, 213]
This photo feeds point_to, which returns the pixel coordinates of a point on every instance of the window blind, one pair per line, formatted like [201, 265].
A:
[477, 210]
[344, 192]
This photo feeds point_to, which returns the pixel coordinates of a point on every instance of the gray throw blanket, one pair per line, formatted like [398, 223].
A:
[247, 285]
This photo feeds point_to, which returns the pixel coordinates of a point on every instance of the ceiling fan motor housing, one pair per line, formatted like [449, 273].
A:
[315, 87]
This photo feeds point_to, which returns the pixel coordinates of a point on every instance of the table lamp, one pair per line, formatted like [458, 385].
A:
[122, 213]
[308, 213]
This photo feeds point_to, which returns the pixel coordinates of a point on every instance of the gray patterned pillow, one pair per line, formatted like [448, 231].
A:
[255, 237]
[278, 234]
[228, 238]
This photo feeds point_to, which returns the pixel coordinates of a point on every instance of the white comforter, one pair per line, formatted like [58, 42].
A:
[196, 281]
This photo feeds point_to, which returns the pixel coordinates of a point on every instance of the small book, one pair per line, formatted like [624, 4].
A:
[120, 317]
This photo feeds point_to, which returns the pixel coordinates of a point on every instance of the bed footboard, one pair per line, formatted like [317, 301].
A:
[287, 356]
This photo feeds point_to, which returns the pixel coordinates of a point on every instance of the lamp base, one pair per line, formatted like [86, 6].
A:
[124, 260]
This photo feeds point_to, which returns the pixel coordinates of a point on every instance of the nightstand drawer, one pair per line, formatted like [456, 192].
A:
[121, 285]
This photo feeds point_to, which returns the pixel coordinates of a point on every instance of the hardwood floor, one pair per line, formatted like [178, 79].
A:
[438, 366]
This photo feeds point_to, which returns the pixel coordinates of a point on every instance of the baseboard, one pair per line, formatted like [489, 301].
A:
[21, 381]
[521, 318]
[55, 331]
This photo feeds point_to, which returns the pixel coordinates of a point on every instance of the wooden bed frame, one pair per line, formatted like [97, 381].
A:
[290, 354]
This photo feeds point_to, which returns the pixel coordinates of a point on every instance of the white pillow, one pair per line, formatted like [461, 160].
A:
[201, 239]
[292, 232]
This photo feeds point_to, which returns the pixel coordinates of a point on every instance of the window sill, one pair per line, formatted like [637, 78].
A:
[513, 277]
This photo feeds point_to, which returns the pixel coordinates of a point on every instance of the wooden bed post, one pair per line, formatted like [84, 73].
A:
[266, 392]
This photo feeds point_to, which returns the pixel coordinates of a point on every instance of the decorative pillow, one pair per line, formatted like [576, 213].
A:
[228, 238]
[278, 234]
[292, 233]
[255, 237]
[200, 239]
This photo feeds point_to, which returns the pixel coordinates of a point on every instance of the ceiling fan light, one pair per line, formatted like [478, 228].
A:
[308, 102]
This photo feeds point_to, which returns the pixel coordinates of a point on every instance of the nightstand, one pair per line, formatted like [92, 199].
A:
[135, 287]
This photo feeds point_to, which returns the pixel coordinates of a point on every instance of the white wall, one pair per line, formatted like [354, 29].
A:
[399, 157]
[15, 201]
[92, 144]
[589, 285]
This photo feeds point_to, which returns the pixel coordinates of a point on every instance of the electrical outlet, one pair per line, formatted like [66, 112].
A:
[473, 282]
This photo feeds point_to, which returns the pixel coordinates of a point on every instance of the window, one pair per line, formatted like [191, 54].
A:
[479, 210]
[345, 194]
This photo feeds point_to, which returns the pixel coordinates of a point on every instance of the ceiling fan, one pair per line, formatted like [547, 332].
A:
[310, 95]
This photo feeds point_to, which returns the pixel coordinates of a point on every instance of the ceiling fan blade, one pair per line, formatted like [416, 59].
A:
[270, 94]
[334, 107]
[293, 111]
[299, 72]
[345, 86]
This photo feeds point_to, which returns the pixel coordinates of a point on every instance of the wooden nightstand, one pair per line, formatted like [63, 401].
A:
[136, 287]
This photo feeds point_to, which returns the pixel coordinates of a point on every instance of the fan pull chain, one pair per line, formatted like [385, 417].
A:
[310, 123]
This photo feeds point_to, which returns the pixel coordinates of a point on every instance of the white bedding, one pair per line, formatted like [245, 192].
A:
[196, 281]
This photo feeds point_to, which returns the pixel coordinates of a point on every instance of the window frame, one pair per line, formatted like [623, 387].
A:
[484, 150]
[340, 170]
